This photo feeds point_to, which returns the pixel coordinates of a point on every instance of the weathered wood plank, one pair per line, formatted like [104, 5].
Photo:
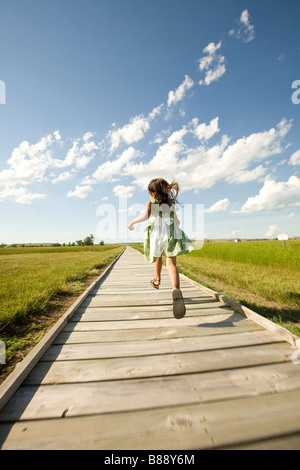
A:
[138, 296]
[80, 351]
[287, 442]
[31, 402]
[199, 322]
[98, 301]
[198, 426]
[198, 309]
[157, 365]
[148, 334]
[142, 313]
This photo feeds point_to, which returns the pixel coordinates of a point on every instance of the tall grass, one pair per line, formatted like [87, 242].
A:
[259, 253]
[262, 275]
[31, 280]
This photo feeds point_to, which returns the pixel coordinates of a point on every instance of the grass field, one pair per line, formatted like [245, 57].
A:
[262, 275]
[37, 285]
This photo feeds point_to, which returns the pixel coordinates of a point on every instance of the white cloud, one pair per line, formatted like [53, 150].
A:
[203, 166]
[244, 176]
[212, 63]
[80, 192]
[133, 131]
[219, 206]
[160, 136]
[203, 131]
[272, 229]
[123, 191]
[244, 31]
[274, 196]
[29, 164]
[111, 169]
[66, 175]
[80, 154]
[295, 158]
[19, 195]
[179, 93]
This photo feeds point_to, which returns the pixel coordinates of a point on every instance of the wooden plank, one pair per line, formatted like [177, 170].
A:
[71, 352]
[140, 296]
[148, 334]
[141, 290]
[287, 442]
[141, 313]
[91, 370]
[193, 322]
[209, 308]
[200, 426]
[98, 301]
[31, 402]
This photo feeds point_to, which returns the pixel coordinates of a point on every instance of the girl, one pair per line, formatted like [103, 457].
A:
[163, 235]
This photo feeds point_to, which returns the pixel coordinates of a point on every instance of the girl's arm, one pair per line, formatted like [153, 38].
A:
[141, 218]
[176, 220]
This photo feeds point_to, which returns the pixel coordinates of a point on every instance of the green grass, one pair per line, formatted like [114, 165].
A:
[262, 275]
[30, 281]
[36, 284]
[260, 253]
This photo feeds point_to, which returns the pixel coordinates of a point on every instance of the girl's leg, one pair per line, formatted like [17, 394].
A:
[157, 268]
[173, 272]
[178, 302]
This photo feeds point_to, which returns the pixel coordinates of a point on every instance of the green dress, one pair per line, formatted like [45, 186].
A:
[163, 236]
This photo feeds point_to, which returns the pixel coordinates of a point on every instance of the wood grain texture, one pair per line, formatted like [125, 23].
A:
[123, 373]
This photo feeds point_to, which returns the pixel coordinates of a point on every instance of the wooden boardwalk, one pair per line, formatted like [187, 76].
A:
[125, 374]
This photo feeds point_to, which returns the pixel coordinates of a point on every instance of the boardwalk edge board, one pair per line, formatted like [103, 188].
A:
[22, 369]
[276, 329]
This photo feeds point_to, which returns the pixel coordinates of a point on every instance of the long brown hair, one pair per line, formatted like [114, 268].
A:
[163, 192]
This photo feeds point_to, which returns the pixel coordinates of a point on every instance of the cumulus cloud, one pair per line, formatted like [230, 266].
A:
[295, 158]
[29, 162]
[179, 93]
[219, 206]
[66, 175]
[212, 63]
[203, 166]
[244, 176]
[20, 195]
[80, 154]
[111, 169]
[244, 30]
[123, 191]
[133, 131]
[272, 229]
[274, 196]
[203, 131]
[36, 163]
[80, 192]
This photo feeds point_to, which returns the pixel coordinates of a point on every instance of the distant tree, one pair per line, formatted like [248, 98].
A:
[101, 243]
[79, 242]
[89, 240]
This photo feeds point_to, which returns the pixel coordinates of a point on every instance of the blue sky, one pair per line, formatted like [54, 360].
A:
[99, 96]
